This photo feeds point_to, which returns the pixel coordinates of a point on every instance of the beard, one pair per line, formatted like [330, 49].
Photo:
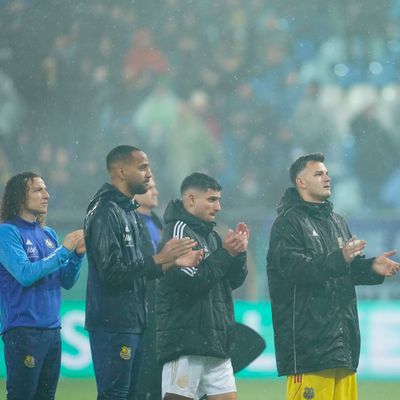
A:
[137, 188]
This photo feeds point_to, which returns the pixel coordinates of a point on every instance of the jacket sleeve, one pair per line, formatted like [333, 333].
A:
[363, 274]
[70, 271]
[238, 271]
[290, 259]
[14, 259]
[104, 241]
[200, 279]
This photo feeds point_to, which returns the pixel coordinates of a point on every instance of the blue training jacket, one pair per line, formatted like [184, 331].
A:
[33, 267]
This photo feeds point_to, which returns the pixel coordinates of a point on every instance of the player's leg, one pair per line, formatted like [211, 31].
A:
[345, 385]
[137, 364]
[113, 355]
[181, 377]
[50, 371]
[218, 381]
[23, 357]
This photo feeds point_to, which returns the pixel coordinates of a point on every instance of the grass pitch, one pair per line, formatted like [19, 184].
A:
[248, 389]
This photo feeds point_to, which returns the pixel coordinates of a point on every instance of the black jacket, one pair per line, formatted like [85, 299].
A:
[194, 305]
[115, 296]
[312, 289]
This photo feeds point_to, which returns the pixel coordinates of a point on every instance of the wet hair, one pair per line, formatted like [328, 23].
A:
[201, 181]
[15, 194]
[301, 163]
[120, 153]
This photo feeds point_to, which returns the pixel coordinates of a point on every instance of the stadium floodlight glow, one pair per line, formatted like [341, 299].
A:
[389, 94]
[375, 67]
[341, 69]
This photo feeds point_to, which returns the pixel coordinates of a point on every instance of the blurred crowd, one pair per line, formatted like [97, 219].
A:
[235, 88]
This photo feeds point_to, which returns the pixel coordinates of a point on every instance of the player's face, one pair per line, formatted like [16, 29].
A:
[205, 205]
[37, 199]
[149, 199]
[137, 173]
[314, 182]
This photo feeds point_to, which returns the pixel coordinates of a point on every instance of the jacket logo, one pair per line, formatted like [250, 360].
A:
[32, 251]
[128, 237]
[29, 243]
[308, 393]
[314, 233]
[125, 353]
[49, 244]
[30, 361]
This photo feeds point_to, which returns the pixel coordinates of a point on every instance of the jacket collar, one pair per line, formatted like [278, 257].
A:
[291, 199]
[111, 193]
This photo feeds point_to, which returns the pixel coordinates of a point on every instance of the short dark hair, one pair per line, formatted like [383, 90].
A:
[301, 163]
[14, 196]
[198, 180]
[120, 153]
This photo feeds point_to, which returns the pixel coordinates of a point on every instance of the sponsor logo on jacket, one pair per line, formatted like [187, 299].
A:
[128, 239]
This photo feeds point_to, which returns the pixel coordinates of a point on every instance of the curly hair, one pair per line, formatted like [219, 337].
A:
[14, 196]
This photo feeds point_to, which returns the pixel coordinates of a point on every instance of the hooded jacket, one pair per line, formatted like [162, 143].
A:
[312, 288]
[115, 296]
[194, 305]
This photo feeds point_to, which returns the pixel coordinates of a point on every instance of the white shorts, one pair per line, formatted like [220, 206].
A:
[195, 376]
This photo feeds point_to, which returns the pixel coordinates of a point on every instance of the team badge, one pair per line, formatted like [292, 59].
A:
[125, 353]
[49, 244]
[29, 361]
[308, 393]
[182, 381]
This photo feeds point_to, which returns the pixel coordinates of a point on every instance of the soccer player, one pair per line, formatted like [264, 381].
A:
[115, 297]
[33, 268]
[313, 265]
[195, 319]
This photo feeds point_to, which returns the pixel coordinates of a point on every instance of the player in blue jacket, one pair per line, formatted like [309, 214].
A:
[33, 268]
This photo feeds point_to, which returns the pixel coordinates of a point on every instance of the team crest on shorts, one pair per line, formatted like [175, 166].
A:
[29, 361]
[182, 381]
[308, 393]
[125, 353]
[49, 243]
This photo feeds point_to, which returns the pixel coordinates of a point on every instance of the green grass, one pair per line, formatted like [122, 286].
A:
[78, 389]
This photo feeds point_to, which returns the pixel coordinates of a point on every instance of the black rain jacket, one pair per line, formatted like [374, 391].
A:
[115, 296]
[312, 289]
[194, 306]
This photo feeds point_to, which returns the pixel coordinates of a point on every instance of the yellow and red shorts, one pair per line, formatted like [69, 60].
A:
[329, 384]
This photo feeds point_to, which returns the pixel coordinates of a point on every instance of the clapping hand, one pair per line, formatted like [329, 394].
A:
[353, 248]
[384, 266]
[236, 241]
